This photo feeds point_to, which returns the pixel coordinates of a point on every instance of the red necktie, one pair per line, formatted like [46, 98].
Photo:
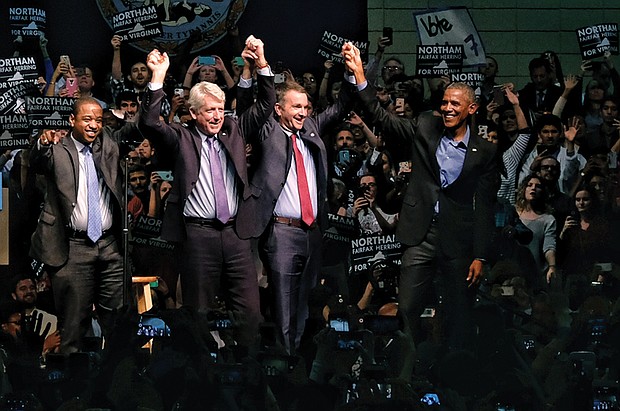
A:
[307, 216]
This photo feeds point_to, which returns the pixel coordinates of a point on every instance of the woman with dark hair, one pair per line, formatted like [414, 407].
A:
[585, 236]
[513, 140]
[534, 214]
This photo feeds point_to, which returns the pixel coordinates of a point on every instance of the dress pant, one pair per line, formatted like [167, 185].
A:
[93, 274]
[422, 266]
[216, 264]
[292, 256]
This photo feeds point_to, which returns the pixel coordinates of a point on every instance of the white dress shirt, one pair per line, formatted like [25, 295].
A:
[288, 204]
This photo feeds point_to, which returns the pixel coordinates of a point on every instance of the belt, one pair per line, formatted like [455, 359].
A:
[83, 235]
[295, 222]
[209, 222]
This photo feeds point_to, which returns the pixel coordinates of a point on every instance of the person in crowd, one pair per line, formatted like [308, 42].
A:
[217, 74]
[490, 71]
[25, 294]
[127, 102]
[76, 236]
[392, 67]
[113, 118]
[137, 80]
[23, 350]
[533, 212]
[371, 218]
[584, 239]
[550, 131]
[439, 226]
[540, 95]
[139, 184]
[513, 141]
[548, 169]
[608, 131]
[86, 83]
[288, 203]
[210, 179]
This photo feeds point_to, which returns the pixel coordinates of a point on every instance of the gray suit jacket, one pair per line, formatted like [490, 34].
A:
[60, 165]
[273, 153]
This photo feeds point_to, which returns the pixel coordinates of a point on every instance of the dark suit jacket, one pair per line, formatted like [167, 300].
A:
[466, 218]
[60, 165]
[273, 152]
[183, 145]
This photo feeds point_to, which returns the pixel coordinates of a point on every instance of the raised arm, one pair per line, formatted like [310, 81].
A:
[117, 71]
[253, 118]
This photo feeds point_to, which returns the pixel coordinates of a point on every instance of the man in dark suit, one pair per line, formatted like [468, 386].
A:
[287, 201]
[540, 95]
[210, 177]
[76, 236]
[446, 221]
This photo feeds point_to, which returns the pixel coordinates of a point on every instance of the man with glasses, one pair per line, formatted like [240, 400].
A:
[550, 143]
[371, 219]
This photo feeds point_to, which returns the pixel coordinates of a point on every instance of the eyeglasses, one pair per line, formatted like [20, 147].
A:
[549, 167]
[368, 185]
[391, 68]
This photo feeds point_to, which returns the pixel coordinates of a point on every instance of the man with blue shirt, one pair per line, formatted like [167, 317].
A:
[446, 222]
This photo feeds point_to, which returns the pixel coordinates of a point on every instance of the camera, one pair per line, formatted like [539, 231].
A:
[276, 365]
[381, 324]
[151, 326]
[339, 324]
[219, 320]
[347, 160]
[430, 398]
[230, 374]
[604, 395]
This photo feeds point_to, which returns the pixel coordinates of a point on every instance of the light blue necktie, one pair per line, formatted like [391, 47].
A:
[92, 186]
[221, 197]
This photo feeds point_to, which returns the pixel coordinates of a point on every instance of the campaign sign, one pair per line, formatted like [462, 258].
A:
[594, 41]
[451, 26]
[437, 61]
[12, 100]
[473, 80]
[49, 112]
[331, 46]
[146, 230]
[342, 229]
[14, 131]
[15, 70]
[14, 140]
[366, 250]
[27, 21]
[137, 24]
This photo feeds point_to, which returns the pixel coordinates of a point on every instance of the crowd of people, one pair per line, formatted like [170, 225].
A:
[241, 187]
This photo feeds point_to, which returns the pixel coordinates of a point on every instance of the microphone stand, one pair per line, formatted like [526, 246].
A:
[126, 282]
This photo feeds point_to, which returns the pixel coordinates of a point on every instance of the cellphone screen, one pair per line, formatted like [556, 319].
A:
[153, 327]
[388, 32]
[206, 60]
[339, 325]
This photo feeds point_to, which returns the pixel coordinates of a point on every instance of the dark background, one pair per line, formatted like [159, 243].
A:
[291, 31]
